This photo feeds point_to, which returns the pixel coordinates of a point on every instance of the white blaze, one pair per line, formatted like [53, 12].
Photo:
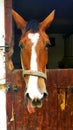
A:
[34, 38]
[32, 83]
[3, 125]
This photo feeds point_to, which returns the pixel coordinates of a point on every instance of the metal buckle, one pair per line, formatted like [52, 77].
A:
[6, 47]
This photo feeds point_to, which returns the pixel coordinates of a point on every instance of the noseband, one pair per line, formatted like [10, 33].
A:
[34, 73]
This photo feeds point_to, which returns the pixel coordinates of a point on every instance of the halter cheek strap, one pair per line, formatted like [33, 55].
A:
[34, 73]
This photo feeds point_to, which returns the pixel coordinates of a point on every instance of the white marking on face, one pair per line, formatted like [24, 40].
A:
[32, 87]
[34, 39]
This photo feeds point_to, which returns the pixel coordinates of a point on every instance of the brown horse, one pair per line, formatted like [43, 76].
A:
[34, 44]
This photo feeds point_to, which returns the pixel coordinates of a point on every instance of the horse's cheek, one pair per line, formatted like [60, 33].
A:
[25, 60]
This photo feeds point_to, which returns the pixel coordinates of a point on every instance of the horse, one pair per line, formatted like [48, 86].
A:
[34, 43]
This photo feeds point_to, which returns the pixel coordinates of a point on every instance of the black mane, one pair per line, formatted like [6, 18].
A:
[32, 25]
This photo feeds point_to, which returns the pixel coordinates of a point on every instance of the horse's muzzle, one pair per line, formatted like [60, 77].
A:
[36, 102]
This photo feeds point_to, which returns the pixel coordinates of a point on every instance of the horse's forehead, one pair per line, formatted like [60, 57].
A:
[34, 37]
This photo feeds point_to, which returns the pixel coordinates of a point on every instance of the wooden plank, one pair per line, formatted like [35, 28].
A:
[63, 78]
[3, 122]
[8, 21]
[64, 83]
[9, 79]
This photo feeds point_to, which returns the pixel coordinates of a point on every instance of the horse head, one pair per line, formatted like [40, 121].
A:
[34, 44]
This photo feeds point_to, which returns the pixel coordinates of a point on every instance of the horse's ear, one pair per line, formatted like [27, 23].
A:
[20, 22]
[47, 21]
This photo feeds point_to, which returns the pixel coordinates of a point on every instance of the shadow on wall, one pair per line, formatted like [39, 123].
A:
[56, 52]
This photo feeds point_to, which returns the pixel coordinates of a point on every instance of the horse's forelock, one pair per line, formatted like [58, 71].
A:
[32, 25]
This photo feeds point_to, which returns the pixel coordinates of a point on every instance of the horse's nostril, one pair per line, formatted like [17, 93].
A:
[45, 95]
[27, 95]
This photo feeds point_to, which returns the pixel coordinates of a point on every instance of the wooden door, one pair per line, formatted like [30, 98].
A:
[57, 111]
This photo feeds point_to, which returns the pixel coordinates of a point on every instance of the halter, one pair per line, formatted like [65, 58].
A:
[34, 73]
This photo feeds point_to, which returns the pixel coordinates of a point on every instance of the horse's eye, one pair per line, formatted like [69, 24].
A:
[21, 45]
[47, 45]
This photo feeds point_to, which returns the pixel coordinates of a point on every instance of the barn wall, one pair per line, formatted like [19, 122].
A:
[61, 55]
[3, 122]
[56, 53]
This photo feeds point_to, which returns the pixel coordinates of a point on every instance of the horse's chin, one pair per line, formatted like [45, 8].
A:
[31, 107]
